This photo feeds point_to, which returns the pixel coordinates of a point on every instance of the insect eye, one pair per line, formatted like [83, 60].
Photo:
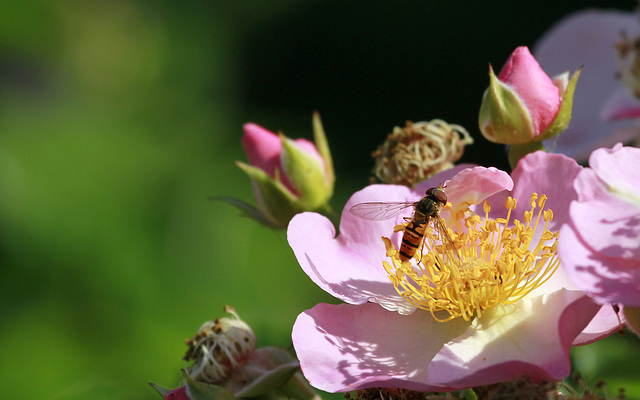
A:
[441, 196]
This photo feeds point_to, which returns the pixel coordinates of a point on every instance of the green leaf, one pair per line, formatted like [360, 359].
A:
[247, 209]
[298, 388]
[162, 391]
[202, 391]
[632, 315]
[518, 151]
[271, 380]
[276, 203]
[266, 371]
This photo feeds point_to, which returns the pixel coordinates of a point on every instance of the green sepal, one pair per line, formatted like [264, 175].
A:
[517, 151]
[204, 391]
[503, 117]
[306, 174]
[470, 394]
[161, 391]
[274, 367]
[563, 116]
[276, 203]
[247, 209]
[322, 145]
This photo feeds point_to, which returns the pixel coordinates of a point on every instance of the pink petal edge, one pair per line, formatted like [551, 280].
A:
[344, 347]
[605, 279]
[533, 339]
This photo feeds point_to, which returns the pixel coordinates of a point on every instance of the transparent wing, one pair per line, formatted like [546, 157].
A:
[378, 211]
[443, 234]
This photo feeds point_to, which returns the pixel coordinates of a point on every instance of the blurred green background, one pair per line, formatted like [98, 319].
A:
[119, 118]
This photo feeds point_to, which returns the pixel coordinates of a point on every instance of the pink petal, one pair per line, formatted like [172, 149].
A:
[608, 224]
[619, 168]
[545, 173]
[348, 267]
[533, 85]
[474, 185]
[550, 174]
[263, 147]
[600, 247]
[531, 336]
[310, 148]
[602, 325]
[606, 279]
[179, 393]
[344, 347]
[587, 38]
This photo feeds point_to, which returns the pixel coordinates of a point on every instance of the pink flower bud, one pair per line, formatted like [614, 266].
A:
[264, 150]
[289, 176]
[541, 97]
[523, 105]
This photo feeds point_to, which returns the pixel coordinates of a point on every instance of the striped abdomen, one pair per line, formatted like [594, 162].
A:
[412, 238]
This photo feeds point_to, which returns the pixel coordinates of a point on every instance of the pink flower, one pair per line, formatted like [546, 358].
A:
[523, 73]
[177, 394]
[381, 338]
[264, 150]
[523, 105]
[588, 38]
[600, 243]
[288, 176]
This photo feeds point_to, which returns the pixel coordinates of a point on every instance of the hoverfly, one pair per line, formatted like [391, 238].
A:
[426, 210]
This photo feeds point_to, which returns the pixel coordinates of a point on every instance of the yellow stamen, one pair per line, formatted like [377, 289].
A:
[492, 262]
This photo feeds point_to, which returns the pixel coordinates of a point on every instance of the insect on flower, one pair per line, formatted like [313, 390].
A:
[426, 211]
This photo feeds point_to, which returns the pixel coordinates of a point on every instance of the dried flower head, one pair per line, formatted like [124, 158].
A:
[219, 347]
[418, 151]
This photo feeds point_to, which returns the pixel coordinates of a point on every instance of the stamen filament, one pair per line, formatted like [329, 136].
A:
[491, 262]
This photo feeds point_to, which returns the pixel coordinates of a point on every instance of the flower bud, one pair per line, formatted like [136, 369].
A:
[523, 105]
[288, 176]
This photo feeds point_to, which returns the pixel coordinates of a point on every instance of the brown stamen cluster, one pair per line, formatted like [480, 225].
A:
[628, 60]
[219, 347]
[418, 151]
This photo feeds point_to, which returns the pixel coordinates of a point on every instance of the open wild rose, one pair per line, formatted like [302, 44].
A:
[604, 111]
[497, 307]
[600, 243]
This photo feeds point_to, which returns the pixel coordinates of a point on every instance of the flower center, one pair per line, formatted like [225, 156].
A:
[485, 263]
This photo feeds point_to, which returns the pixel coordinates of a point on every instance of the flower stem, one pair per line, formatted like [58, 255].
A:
[517, 151]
